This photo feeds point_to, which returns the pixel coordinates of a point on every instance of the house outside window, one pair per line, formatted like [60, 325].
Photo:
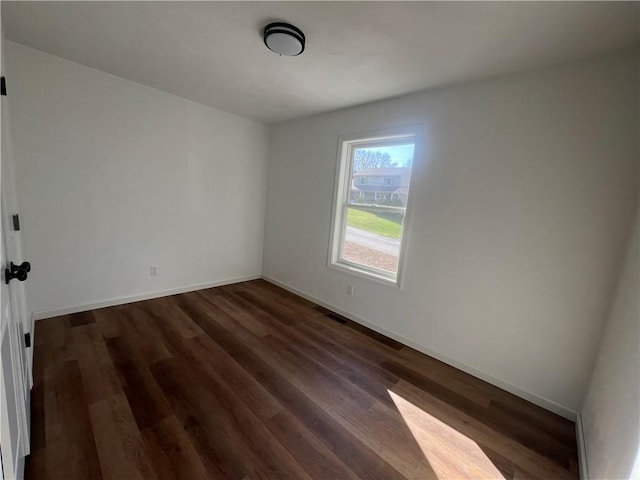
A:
[371, 197]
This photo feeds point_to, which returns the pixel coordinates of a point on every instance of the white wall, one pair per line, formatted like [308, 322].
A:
[611, 411]
[523, 203]
[114, 176]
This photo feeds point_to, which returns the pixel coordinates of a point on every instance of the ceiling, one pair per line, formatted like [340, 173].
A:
[212, 52]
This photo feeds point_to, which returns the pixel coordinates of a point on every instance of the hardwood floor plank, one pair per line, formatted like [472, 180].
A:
[221, 366]
[237, 425]
[203, 430]
[365, 377]
[506, 467]
[180, 323]
[249, 381]
[344, 354]
[38, 435]
[209, 360]
[256, 306]
[451, 453]
[53, 343]
[138, 325]
[70, 448]
[345, 367]
[98, 374]
[255, 326]
[36, 465]
[318, 460]
[82, 318]
[376, 336]
[108, 321]
[366, 463]
[372, 353]
[171, 453]
[52, 330]
[279, 355]
[118, 440]
[561, 429]
[516, 429]
[201, 317]
[144, 396]
[373, 423]
[549, 422]
[521, 456]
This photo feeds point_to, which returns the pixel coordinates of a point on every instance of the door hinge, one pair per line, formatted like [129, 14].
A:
[27, 340]
[3, 86]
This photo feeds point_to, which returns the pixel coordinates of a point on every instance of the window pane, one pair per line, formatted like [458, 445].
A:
[372, 238]
[379, 187]
[381, 175]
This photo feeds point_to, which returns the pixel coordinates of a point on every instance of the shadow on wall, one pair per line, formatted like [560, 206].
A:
[611, 411]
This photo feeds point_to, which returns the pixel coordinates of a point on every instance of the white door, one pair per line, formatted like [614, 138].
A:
[15, 369]
[14, 430]
[13, 240]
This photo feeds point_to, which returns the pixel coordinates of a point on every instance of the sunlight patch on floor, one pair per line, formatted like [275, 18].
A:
[450, 454]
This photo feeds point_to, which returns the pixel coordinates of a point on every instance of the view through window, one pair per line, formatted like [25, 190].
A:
[371, 206]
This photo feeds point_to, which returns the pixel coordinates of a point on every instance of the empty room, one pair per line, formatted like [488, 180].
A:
[320, 240]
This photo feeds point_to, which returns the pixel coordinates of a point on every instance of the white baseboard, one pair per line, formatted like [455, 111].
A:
[520, 392]
[582, 449]
[42, 314]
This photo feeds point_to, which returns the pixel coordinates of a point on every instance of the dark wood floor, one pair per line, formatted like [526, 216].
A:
[251, 382]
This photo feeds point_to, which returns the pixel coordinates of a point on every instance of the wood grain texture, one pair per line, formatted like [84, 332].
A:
[249, 381]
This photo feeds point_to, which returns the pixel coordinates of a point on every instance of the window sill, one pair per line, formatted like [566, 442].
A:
[364, 273]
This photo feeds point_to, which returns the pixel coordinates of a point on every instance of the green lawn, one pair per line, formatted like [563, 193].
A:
[373, 223]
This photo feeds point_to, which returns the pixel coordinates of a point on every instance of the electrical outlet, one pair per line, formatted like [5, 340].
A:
[350, 290]
[153, 270]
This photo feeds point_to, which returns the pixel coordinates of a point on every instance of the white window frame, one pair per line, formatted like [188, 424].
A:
[342, 189]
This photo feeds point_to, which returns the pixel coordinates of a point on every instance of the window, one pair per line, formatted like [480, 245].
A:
[369, 217]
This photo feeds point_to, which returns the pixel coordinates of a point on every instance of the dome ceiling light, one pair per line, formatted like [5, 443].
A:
[284, 39]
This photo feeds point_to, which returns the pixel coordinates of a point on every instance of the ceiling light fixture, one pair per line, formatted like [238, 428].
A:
[284, 39]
